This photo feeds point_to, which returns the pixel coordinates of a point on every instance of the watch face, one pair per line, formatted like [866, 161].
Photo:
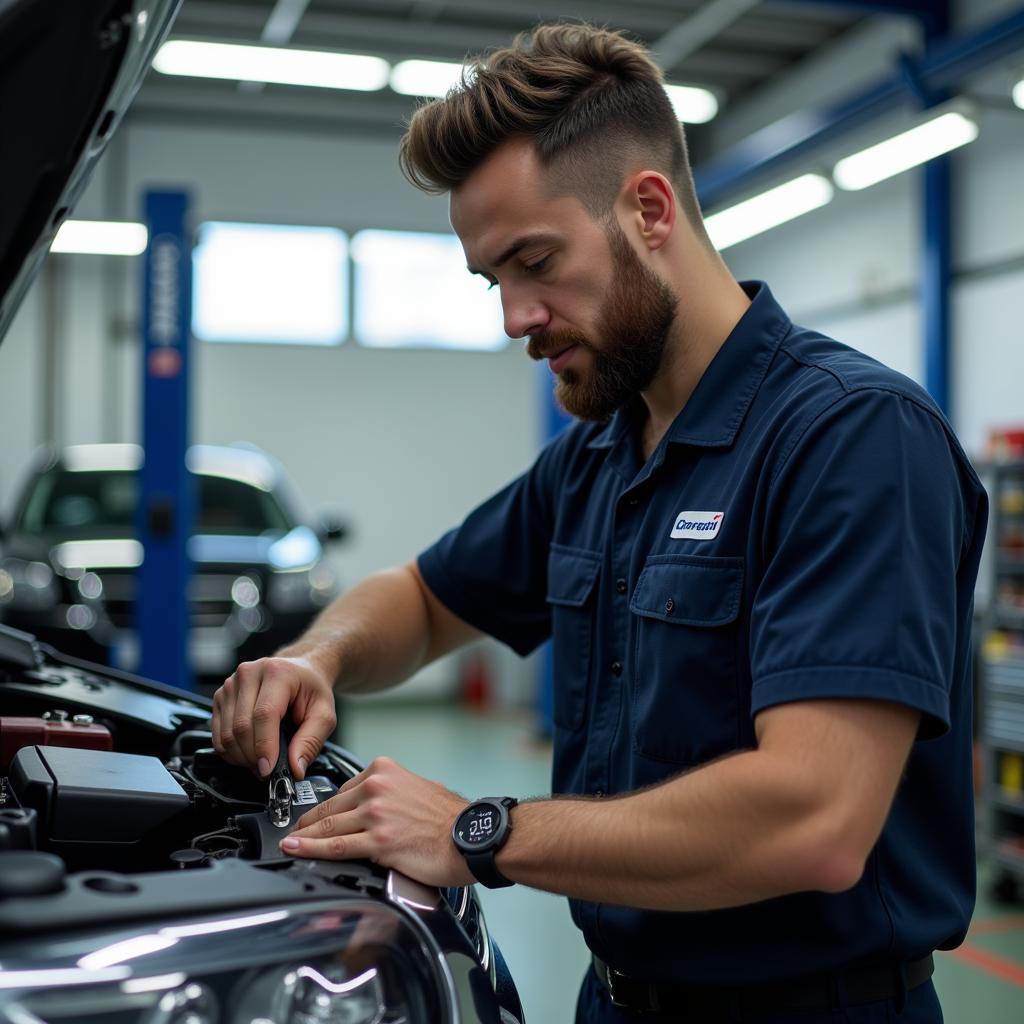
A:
[478, 825]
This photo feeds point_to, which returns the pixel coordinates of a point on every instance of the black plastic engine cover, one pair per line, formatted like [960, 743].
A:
[95, 795]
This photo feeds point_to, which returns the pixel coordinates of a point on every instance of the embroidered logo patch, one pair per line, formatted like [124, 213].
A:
[697, 525]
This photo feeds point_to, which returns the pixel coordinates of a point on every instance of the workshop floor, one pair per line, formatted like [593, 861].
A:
[489, 754]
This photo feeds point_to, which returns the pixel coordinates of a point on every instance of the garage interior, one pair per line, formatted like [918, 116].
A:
[392, 402]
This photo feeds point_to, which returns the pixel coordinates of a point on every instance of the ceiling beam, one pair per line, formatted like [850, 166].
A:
[700, 28]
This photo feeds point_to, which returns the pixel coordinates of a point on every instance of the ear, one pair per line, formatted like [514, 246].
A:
[652, 202]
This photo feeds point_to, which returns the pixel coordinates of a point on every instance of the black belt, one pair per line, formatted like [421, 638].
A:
[852, 985]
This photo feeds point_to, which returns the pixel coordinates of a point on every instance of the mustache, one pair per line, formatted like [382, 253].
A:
[548, 343]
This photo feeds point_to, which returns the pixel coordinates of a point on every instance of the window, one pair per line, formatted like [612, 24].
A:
[412, 290]
[270, 283]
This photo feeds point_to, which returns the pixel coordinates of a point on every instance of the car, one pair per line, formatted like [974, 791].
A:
[141, 878]
[69, 552]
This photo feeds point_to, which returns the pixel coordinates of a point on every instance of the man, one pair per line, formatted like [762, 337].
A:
[756, 558]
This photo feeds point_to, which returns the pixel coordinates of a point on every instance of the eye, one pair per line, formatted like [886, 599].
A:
[538, 267]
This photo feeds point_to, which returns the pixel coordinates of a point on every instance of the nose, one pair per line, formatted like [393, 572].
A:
[523, 314]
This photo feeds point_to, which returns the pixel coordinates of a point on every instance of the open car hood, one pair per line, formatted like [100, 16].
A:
[67, 74]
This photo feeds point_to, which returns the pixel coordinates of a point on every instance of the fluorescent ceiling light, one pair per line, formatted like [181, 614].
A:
[425, 77]
[691, 104]
[918, 145]
[101, 238]
[316, 68]
[768, 210]
[1018, 94]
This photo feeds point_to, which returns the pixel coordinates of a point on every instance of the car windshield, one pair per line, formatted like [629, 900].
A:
[68, 503]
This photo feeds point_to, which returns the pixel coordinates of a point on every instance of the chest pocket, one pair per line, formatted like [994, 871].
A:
[685, 654]
[572, 576]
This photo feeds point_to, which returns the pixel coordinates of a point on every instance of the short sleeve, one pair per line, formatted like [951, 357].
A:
[864, 531]
[491, 570]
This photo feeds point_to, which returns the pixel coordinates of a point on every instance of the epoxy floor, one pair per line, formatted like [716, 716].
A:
[481, 754]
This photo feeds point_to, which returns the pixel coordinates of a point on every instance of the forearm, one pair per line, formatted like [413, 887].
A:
[371, 637]
[737, 831]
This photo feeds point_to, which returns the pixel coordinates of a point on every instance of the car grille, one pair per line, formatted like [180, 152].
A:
[209, 594]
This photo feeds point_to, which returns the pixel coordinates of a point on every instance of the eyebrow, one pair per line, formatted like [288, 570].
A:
[515, 247]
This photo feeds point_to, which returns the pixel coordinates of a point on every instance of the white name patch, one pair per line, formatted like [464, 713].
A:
[697, 525]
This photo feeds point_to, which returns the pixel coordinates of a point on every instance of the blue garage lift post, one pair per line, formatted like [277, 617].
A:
[166, 511]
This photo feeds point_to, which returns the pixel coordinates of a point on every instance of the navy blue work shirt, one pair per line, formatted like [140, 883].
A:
[807, 528]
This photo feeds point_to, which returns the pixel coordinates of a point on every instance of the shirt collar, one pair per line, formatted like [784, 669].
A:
[715, 410]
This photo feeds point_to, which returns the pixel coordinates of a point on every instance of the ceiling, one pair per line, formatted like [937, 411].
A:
[730, 46]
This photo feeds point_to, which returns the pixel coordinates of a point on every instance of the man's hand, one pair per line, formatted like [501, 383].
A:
[390, 816]
[249, 707]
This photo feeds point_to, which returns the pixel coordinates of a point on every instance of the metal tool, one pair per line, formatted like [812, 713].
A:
[281, 784]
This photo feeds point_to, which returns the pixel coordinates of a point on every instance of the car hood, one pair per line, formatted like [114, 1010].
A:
[297, 549]
[67, 74]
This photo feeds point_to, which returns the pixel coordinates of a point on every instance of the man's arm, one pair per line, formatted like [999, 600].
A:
[373, 636]
[801, 812]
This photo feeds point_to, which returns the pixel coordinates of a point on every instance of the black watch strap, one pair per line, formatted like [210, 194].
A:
[481, 862]
[486, 871]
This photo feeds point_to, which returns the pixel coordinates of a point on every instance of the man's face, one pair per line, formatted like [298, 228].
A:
[573, 285]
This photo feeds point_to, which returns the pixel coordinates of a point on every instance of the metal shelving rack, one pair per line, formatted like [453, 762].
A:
[1002, 694]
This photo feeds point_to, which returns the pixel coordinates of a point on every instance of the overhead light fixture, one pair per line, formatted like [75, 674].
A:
[942, 132]
[1018, 94]
[317, 68]
[768, 210]
[692, 104]
[425, 77]
[101, 238]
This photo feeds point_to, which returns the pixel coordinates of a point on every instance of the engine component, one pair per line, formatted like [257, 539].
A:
[89, 795]
[53, 730]
[30, 873]
[17, 825]
[263, 833]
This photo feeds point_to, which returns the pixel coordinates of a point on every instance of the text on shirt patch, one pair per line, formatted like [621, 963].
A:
[697, 525]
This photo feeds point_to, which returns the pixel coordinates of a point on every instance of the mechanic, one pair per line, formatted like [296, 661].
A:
[755, 555]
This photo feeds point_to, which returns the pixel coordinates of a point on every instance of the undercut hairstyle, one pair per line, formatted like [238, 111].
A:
[591, 101]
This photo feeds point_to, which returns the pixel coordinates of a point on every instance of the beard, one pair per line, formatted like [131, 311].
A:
[636, 318]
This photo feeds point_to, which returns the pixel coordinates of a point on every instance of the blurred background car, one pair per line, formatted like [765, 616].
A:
[69, 554]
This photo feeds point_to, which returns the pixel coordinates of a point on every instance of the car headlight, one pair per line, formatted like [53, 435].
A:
[301, 589]
[352, 962]
[27, 586]
[470, 914]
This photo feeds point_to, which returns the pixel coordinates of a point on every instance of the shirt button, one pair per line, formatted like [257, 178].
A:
[599, 792]
[620, 586]
[669, 605]
[616, 668]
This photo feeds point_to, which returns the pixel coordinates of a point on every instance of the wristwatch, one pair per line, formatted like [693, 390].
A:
[479, 832]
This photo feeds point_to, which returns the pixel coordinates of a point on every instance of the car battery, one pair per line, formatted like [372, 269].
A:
[262, 836]
[56, 730]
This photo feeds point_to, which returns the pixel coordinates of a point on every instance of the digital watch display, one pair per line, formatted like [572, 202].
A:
[479, 832]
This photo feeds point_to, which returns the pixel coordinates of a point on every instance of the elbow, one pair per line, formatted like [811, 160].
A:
[825, 858]
[838, 870]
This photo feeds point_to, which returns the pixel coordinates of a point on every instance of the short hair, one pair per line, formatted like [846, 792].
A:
[591, 101]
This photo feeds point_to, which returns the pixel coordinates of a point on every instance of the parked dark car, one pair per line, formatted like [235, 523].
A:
[69, 553]
[141, 881]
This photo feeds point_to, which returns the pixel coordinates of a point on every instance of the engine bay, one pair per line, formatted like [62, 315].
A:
[112, 772]
[135, 812]
[105, 808]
